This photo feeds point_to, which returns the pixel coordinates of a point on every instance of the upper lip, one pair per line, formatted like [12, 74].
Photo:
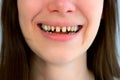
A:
[60, 24]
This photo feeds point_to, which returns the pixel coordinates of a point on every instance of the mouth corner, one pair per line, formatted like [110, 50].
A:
[39, 24]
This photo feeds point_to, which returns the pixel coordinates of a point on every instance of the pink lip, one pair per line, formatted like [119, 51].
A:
[59, 37]
[52, 23]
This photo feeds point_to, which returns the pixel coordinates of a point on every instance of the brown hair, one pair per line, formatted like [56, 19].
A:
[101, 56]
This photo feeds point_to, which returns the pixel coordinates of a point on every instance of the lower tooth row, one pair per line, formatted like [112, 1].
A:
[58, 29]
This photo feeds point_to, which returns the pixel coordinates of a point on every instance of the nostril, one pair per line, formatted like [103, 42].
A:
[69, 11]
[55, 11]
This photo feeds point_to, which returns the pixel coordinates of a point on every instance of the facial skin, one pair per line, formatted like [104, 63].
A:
[85, 12]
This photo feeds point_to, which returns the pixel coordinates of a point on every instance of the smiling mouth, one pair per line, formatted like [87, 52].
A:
[60, 29]
[60, 33]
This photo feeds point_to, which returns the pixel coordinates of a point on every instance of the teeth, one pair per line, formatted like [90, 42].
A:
[64, 29]
[72, 29]
[68, 28]
[75, 29]
[48, 28]
[45, 27]
[57, 29]
[52, 28]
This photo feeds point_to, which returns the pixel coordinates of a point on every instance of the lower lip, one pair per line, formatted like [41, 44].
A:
[59, 37]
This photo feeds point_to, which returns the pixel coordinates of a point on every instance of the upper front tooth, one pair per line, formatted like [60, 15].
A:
[52, 28]
[48, 28]
[63, 29]
[72, 28]
[57, 29]
[68, 28]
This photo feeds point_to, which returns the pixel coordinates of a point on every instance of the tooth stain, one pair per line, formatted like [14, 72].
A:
[64, 29]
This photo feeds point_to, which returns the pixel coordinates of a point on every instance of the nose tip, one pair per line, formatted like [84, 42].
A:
[61, 6]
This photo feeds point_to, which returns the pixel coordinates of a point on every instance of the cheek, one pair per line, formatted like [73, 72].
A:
[28, 9]
[91, 9]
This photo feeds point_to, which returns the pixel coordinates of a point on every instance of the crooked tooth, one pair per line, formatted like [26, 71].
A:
[68, 28]
[64, 29]
[57, 29]
[45, 27]
[52, 28]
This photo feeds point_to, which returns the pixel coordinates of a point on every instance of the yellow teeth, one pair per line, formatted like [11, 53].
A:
[57, 29]
[69, 28]
[52, 28]
[45, 27]
[64, 29]
[72, 28]
[48, 28]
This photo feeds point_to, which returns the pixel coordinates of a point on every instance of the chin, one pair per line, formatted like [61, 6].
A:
[60, 57]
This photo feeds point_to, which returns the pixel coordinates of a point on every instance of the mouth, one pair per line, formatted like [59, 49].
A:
[59, 33]
[60, 29]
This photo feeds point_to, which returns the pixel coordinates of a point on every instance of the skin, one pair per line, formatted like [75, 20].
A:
[56, 60]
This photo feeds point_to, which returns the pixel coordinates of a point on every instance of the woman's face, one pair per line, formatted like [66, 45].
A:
[59, 31]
